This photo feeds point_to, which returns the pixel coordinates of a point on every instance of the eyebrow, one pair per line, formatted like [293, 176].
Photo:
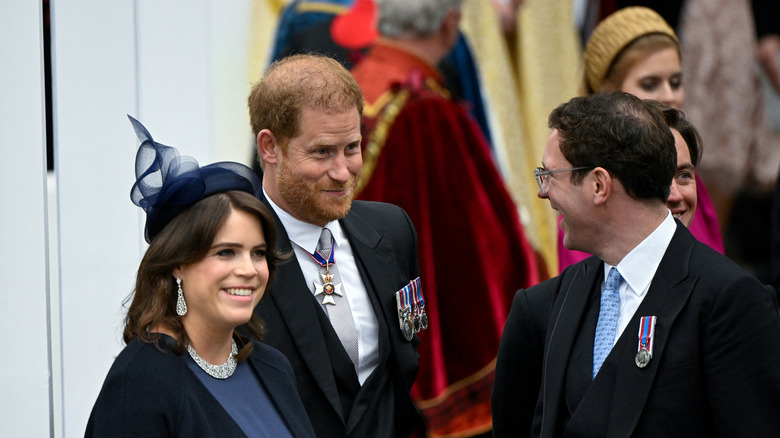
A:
[326, 144]
[236, 245]
[686, 166]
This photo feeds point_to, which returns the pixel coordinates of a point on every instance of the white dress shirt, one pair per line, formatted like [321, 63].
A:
[305, 237]
[638, 269]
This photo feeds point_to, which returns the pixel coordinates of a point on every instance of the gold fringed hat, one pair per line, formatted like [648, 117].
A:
[616, 32]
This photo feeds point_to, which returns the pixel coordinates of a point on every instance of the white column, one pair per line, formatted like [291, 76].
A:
[94, 65]
[25, 367]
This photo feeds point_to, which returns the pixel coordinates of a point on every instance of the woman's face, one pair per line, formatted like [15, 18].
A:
[223, 288]
[682, 194]
[658, 77]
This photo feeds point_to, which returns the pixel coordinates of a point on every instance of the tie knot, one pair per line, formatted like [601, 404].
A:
[325, 241]
[613, 279]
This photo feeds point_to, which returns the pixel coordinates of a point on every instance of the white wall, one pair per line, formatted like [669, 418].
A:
[24, 357]
[178, 66]
[94, 71]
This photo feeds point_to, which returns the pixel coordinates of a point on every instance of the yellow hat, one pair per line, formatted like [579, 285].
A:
[616, 32]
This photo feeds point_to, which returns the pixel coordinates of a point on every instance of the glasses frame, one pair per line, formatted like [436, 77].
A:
[541, 172]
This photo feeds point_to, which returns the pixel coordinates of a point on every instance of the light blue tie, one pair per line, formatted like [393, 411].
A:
[609, 312]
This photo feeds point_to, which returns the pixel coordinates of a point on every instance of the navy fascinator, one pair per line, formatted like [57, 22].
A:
[168, 183]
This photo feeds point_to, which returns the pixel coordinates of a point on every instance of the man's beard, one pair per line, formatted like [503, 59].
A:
[308, 202]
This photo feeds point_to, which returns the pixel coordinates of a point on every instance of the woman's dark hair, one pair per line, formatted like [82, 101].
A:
[677, 120]
[186, 239]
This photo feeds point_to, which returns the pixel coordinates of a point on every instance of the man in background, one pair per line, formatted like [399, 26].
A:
[423, 152]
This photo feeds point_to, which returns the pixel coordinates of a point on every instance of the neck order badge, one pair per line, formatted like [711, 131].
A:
[328, 287]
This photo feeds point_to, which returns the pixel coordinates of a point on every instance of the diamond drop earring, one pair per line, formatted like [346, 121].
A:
[181, 305]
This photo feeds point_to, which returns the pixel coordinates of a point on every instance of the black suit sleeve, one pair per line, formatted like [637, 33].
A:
[519, 363]
[775, 239]
[767, 17]
[741, 355]
[138, 396]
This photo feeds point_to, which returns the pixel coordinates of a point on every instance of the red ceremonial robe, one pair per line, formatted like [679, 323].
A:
[423, 152]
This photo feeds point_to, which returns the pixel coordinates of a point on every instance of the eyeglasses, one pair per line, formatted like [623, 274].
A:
[541, 176]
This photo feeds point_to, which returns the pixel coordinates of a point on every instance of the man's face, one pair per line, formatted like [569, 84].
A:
[682, 194]
[568, 200]
[318, 175]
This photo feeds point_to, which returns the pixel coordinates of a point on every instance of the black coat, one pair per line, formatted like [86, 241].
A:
[714, 370]
[384, 244]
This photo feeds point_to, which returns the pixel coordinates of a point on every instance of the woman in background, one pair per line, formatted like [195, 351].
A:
[683, 197]
[636, 51]
[186, 371]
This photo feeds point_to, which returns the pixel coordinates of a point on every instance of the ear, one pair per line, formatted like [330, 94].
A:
[602, 185]
[177, 272]
[268, 149]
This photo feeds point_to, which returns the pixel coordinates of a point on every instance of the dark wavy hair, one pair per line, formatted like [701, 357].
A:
[621, 133]
[186, 239]
[677, 120]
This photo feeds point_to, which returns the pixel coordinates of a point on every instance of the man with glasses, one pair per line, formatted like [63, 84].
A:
[541, 176]
[656, 334]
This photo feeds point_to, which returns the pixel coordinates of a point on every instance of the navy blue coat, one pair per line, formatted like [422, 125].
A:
[152, 393]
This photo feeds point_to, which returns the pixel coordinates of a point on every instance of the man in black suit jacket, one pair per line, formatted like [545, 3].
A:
[709, 367]
[306, 113]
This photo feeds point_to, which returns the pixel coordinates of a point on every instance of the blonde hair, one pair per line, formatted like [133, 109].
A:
[619, 41]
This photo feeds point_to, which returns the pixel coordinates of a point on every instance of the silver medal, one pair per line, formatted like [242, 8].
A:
[642, 358]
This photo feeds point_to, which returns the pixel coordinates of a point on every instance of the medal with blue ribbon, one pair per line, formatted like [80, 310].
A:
[327, 289]
[645, 346]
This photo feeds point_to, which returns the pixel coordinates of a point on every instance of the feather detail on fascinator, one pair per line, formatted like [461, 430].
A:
[168, 183]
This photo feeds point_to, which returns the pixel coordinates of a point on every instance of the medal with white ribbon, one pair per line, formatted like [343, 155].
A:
[415, 307]
[405, 313]
[645, 346]
[422, 317]
[327, 288]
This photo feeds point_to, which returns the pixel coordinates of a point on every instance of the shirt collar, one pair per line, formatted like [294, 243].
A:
[304, 234]
[638, 266]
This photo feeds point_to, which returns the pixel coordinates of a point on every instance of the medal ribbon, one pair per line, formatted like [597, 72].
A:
[418, 293]
[407, 298]
[646, 331]
[413, 298]
[402, 297]
[320, 259]
[400, 302]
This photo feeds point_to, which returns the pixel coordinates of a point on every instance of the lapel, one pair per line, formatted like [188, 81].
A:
[375, 260]
[627, 385]
[279, 393]
[566, 319]
[298, 310]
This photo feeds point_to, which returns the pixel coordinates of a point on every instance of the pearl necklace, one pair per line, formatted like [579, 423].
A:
[216, 371]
